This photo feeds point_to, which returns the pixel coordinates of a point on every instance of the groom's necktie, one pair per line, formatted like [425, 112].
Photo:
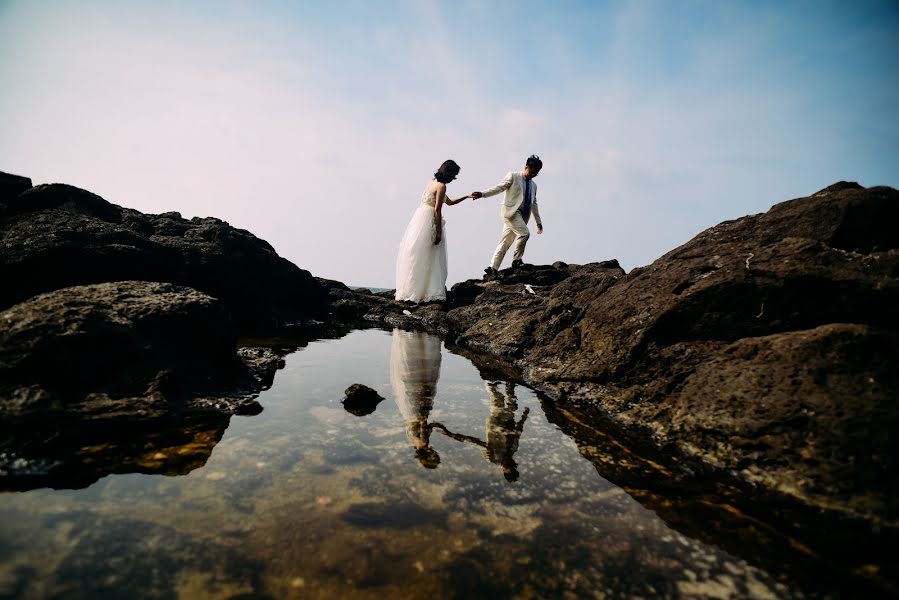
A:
[525, 209]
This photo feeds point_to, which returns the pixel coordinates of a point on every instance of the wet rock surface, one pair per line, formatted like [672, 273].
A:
[114, 376]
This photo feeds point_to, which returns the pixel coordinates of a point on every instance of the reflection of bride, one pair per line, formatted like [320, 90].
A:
[414, 370]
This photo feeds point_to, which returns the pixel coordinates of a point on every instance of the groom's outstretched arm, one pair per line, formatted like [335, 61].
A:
[503, 185]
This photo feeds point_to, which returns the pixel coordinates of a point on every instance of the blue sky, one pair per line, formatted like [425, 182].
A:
[317, 125]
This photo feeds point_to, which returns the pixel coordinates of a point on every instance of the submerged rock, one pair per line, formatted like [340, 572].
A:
[397, 515]
[360, 400]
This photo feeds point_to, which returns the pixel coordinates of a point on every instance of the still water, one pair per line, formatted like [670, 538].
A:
[454, 487]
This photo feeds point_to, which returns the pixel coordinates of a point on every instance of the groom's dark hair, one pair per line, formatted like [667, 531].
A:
[447, 171]
[534, 162]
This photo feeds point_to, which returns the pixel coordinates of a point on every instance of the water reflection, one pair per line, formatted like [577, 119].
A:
[61, 455]
[503, 432]
[307, 500]
[414, 371]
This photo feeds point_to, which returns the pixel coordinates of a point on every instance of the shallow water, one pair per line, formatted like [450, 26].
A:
[453, 487]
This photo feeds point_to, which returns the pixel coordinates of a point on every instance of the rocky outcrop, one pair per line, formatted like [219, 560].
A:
[55, 236]
[129, 375]
[759, 349]
[761, 352]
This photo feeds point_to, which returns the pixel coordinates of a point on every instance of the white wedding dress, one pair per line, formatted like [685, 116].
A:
[421, 266]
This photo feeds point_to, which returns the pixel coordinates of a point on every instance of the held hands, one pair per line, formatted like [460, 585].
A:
[476, 195]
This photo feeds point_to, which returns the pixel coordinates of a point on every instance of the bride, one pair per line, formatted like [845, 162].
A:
[421, 266]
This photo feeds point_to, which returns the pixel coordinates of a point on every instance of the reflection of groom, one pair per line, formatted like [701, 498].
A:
[503, 432]
[519, 202]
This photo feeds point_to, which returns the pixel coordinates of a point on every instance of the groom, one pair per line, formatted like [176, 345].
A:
[519, 202]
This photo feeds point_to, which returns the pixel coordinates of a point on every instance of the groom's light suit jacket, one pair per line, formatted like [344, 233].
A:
[513, 185]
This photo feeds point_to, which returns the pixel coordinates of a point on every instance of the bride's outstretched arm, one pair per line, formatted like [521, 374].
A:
[450, 201]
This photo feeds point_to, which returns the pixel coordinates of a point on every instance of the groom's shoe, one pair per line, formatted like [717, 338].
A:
[517, 263]
[491, 272]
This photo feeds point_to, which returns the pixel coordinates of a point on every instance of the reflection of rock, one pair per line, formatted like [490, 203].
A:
[95, 379]
[784, 539]
[360, 400]
[592, 545]
[75, 454]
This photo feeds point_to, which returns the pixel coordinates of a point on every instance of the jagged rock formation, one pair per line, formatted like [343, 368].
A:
[761, 351]
[55, 236]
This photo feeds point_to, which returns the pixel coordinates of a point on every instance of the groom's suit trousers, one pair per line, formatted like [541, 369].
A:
[514, 230]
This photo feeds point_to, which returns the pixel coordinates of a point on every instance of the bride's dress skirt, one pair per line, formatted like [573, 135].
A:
[421, 266]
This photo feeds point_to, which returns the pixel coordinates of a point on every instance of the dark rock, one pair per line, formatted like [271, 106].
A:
[129, 370]
[758, 353]
[56, 236]
[360, 400]
[263, 363]
[11, 186]
[349, 305]
[114, 337]
[512, 315]
[532, 274]
[813, 411]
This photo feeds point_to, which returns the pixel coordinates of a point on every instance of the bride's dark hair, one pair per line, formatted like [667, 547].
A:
[447, 171]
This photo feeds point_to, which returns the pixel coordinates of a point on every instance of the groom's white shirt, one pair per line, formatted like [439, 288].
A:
[513, 185]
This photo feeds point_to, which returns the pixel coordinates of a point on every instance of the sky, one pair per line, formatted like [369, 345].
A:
[317, 125]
